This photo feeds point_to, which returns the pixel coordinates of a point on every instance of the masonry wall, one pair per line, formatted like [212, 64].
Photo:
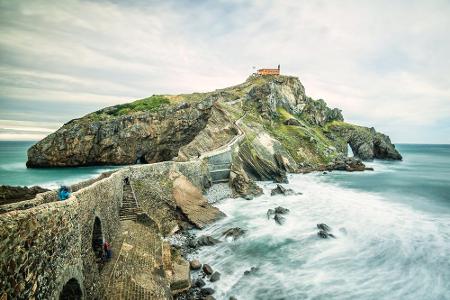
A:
[46, 245]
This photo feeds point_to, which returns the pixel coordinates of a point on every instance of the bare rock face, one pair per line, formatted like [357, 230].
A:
[102, 138]
[11, 194]
[193, 204]
[366, 143]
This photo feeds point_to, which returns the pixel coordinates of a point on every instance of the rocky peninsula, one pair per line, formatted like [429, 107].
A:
[261, 129]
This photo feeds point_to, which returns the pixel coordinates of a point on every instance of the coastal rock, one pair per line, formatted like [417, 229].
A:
[215, 277]
[195, 264]
[241, 183]
[207, 240]
[270, 213]
[317, 112]
[207, 291]
[145, 131]
[279, 219]
[251, 271]
[281, 210]
[190, 200]
[207, 269]
[12, 194]
[324, 227]
[199, 283]
[366, 143]
[324, 234]
[282, 190]
[234, 233]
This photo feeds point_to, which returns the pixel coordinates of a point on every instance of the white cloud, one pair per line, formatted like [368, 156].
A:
[384, 63]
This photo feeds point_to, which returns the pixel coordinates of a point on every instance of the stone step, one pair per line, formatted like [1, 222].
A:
[214, 167]
[220, 174]
[221, 180]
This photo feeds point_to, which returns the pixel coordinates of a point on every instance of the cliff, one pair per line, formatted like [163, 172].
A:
[285, 130]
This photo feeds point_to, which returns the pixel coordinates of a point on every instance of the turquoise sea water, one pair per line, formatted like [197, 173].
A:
[13, 156]
[392, 227]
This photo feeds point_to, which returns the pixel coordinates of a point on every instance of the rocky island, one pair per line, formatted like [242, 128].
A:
[261, 129]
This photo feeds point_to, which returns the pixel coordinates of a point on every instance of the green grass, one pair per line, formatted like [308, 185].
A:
[152, 103]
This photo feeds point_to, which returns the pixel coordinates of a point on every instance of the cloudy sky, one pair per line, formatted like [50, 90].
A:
[384, 63]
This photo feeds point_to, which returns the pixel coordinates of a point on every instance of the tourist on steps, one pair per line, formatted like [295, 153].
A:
[107, 250]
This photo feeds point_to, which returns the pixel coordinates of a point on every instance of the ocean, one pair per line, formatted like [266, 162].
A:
[13, 156]
[392, 228]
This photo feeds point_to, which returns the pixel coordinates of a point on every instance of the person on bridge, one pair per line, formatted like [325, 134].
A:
[107, 250]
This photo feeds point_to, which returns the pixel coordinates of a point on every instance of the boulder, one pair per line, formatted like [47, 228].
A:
[195, 264]
[281, 190]
[207, 269]
[181, 279]
[190, 200]
[325, 234]
[234, 233]
[270, 213]
[215, 277]
[207, 240]
[252, 270]
[324, 227]
[207, 291]
[199, 283]
[279, 219]
[281, 210]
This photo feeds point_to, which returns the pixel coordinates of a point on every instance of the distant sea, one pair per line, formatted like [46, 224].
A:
[13, 156]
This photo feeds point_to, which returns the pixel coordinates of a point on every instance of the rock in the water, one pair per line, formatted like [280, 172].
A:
[281, 190]
[249, 197]
[207, 240]
[207, 269]
[215, 276]
[270, 213]
[199, 283]
[11, 194]
[324, 227]
[232, 298]
[207, 291]
[195, 264]
[234, 233]
[252, 270]
[324, 234]
[279, 219]
[281, 210]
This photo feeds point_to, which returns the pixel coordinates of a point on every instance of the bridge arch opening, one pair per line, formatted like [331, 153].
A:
[97, 239]
[71, 291]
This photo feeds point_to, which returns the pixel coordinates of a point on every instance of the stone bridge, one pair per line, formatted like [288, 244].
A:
[50, 249]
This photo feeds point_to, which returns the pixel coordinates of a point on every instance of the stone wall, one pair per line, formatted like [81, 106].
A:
[44, 246]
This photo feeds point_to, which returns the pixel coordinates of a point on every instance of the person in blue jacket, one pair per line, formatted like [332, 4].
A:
[63, 192]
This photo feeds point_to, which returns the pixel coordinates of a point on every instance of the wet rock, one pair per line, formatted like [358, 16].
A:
[234, 233]
[279, 219]
[281, 210]
[207, 269]
[195, 264]
[252, 270]
[207, 240]
[324, 234]
[232, 298]
[199, 283]
[248, 197]
[270, 213]
[281, 190]
[209, 297]
[324, 227]
[215, 276]
[207, 291]
[11, 194]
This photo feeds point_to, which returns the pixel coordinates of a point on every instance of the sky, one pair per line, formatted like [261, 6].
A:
[386, 64]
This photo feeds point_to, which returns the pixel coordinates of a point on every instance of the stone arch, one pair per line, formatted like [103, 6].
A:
[71, 290]
[97, 239]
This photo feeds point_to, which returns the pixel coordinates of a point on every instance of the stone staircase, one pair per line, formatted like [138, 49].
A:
[220, 172]
[129, 208]
[138, 271]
